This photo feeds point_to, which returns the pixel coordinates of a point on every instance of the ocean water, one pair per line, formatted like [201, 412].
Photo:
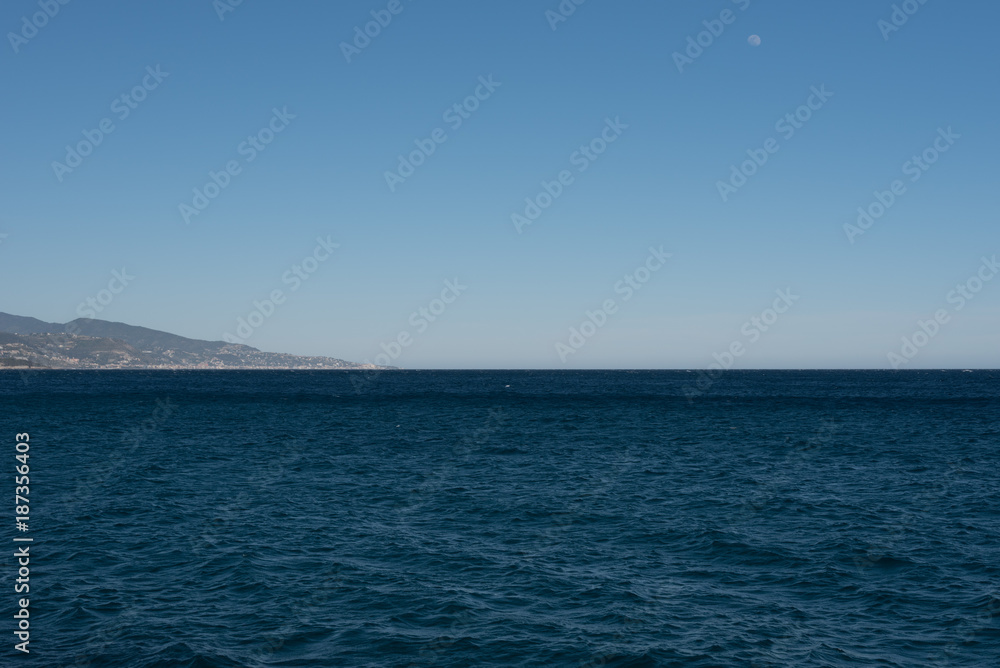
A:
[508, 518]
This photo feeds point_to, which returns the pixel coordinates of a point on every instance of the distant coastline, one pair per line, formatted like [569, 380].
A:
[32, 344]
[360, 367]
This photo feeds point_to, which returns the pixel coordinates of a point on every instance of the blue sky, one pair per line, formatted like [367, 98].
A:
[656, 185]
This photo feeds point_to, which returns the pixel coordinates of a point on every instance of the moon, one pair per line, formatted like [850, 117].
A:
[754, 40]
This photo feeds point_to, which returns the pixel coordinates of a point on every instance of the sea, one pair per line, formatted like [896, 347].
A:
[504, 518]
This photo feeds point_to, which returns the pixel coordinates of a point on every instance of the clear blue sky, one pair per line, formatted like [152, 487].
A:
[655, 185]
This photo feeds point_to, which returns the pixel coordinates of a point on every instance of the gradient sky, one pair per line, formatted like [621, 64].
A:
[656, 185]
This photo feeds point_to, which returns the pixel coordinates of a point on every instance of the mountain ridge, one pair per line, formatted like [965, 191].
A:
[88, 343]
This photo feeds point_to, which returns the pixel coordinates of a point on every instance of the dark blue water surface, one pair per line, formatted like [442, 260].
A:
[508, 518]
